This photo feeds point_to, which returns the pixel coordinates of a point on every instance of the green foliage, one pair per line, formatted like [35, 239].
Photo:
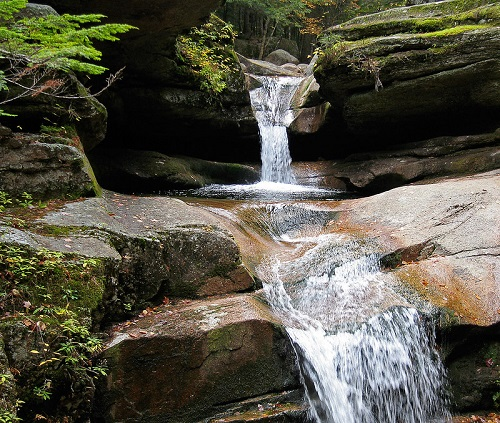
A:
[205, 55]
[63, 42]
[5, 200]
[25, 200]
[7, 416]
[51, 294]
[496, 395]
[31, 48]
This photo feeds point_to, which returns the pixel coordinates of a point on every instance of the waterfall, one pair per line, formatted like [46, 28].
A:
[366, 356]
[271, 103]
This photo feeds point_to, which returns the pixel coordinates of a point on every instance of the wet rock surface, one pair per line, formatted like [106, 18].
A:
[446, 241]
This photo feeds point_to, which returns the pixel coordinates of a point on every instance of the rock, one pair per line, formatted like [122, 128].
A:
[292, 68]
[310, 110]
[473, 368]
[307, 94]
[309, 120]
[166, 248]
[441, 243]
[5, 132]
[414, 2]
[137, 171]
[439, 60]
[202, 357]
[445, 234]
[33, 10]
[280, 57]
[45, 167]
[261, 67]
[158, 99]
[152, 247]
[380, 171]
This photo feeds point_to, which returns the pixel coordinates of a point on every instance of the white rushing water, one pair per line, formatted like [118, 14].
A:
[271, 103]
[363, 358]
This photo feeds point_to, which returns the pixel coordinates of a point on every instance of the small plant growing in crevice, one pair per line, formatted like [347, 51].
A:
[368, 65]
[24, 200]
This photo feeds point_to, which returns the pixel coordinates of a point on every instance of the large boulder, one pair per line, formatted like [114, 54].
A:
[139, 171]
[414, 73]
[44, 166]
[201, 357]
[377, 171]
[264, 68]
[445, 239]
[280, 57]
[154, 247]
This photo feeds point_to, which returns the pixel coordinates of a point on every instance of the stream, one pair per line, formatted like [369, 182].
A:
[365, 354]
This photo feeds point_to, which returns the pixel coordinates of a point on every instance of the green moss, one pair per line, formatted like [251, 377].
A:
[94, 185]
[226, 338]
[418, 19]
[58, 231]
[452, 31]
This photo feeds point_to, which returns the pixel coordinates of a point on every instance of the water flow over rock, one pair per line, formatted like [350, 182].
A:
[366, 356]
[271, 103]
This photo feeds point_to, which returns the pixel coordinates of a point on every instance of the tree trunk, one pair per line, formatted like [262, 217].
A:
[263, 42]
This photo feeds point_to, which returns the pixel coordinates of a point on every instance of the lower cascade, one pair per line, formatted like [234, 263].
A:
[365, 355]
[271, 103]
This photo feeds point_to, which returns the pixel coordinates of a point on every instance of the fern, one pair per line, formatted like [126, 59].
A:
[31, 46]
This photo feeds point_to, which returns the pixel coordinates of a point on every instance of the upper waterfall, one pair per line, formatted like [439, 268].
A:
[271, 103]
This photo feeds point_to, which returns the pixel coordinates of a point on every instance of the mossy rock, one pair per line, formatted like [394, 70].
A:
[437, 63]
[138, 171]
[424, 18]
[46, 167]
